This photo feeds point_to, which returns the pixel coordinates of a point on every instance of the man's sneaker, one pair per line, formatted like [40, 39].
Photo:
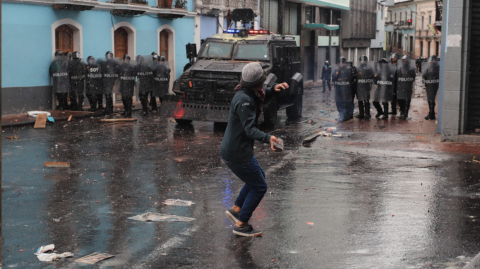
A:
[246, 230]
[232, 215]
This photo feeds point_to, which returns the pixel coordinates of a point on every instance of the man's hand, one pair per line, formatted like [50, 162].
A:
[281, 86]
[273, 139]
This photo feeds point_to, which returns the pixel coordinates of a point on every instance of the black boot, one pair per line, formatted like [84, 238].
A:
[99, 98]
[361, 111]
[125, 106]
[92, 101]
[385, 111]
[109, 104]
[407, 108]
[144, 101]
[128, 110]
[73, 101]
[367, 110]
[431, 113]
[402, 103]
[153, 102]
[379, 109]
[394, 104]
[80, 102]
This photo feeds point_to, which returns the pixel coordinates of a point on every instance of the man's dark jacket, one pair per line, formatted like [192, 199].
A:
[237, 144]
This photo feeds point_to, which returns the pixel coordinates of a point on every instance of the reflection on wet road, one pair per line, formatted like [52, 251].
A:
[375, 200]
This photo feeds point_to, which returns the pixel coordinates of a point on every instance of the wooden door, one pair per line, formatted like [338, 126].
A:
[121, 42]
[64, 39]
[164, 44]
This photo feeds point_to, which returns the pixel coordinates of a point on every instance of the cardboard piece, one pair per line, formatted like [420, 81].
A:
[41, 121]
[56, 164]
[94, 258]
[150, 216]
[178, 202]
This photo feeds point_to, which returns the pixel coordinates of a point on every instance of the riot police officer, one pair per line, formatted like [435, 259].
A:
[60, 79]
[384, 78]
[353, 85]
[161, 76]
[326, 76]
[110, 70]
[68, 56]
[94, 82]
[393, 61]
[77, 80]
[365, 76]
[127, 84]
[405, 79]
[145, 79]
[431, 78]
[342, 79]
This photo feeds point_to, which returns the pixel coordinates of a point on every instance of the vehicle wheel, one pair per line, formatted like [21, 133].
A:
[270, 112]
[183, 122]
[295, 112]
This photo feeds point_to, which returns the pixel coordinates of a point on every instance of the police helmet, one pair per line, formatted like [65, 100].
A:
[433, 57]
[342, 60]
[327, 63]
[108, 55]
[90, 60]
[140, 59]
[58, 53]
[154, 53]
[162, 59]
[69, 55]
[76, 55]
[126, 57]
[383, 61]
[363, 58]
[393, 56]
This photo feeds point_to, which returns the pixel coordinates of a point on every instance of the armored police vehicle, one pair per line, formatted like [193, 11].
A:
[204, 91]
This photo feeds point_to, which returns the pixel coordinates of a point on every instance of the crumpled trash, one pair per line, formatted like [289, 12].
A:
[151, 216]
[178, 202]
[48, 257]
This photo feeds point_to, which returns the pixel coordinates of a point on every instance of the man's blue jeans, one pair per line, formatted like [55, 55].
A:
[254, 189]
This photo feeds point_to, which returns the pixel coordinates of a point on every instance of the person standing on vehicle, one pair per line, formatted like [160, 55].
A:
[110, 71]
[161, 76]
[94, 83]
[237, 145]
[365, 78]
[405, 78]
[127, 84]
[393, 61]
[60, 79]
[431, 77]
[326, 76]
[342, 80]
[145, 86]
[77, 80]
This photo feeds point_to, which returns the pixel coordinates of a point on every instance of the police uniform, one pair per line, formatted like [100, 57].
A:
[60, 80]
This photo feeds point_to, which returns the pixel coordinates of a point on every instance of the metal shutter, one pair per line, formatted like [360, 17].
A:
[473, 113]
[269, 19]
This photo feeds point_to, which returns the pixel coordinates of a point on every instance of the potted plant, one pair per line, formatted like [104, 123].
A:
[181, 4]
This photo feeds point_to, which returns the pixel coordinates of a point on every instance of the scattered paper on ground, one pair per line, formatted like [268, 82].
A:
[12, 137]
[310, 223]
[41, 121]
[178, 202]
[56, 164]
[51, 119]
[150, 216]
[48, 257]
[94, 258]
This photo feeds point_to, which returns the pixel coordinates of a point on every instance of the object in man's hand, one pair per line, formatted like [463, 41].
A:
[278, 146]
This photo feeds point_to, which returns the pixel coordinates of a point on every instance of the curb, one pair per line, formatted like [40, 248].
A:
[474, 263]
[26, 123]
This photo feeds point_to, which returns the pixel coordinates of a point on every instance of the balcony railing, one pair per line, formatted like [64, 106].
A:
[232, 4]
[137, 2]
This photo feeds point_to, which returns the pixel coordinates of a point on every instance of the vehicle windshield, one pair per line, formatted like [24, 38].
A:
[251, 52]
[217, 50]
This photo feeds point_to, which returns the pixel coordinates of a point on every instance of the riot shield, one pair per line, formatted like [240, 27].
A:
[384, 79]
[94, 77]
[161, 76]
[431, 79]
[59, 73]
[365, 76]
[144, 69]
[406, 76]
[342, 79]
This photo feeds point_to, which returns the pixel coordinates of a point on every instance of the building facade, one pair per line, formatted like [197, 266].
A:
[33, 30]
[428, 36]
[401, 36]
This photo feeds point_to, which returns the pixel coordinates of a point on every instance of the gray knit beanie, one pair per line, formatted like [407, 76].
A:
[252, 75]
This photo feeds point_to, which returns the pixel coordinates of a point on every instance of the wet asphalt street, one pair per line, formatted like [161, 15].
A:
[372, 200]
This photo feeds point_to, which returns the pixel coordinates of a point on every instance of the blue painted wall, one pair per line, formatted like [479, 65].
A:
[27, 39]
[208, 27]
